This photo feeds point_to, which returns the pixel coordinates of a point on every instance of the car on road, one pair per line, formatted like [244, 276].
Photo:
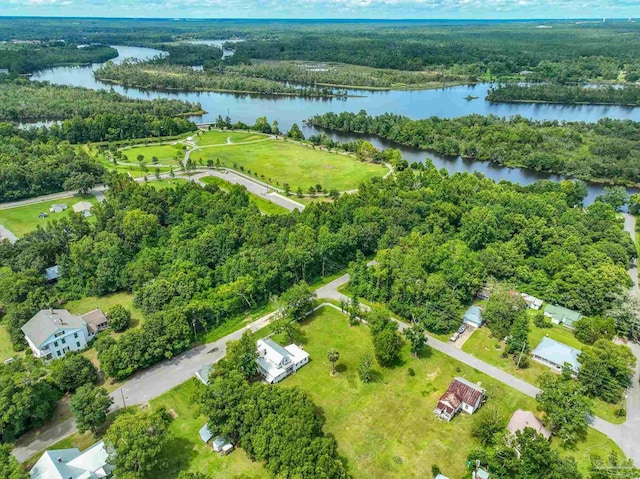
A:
[454, 337]
[462, 329]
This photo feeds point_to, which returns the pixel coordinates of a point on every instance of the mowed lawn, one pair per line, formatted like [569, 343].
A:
[278, 162]
[266, 206]
[216, 137]
[489, 349]
[165, 183]
[166, 154]
[105, 303]
[23, 219]
[6, 348]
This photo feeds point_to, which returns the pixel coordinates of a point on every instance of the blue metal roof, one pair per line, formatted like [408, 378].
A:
[473, 316]
[557, 353]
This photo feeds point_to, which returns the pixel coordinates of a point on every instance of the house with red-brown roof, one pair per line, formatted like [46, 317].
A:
[462, 395]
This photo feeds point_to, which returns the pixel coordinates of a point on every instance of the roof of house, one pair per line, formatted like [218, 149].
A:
[51, 273]
[59, 206]
[557, 353]
[272, 351]
[47, 321]
[204, 372]
[273, 358]
[460, 391]
[532, 299]
[205, 433]
[522, 419]
[94, 319]
[482, 474]
[562, 314]
[441, 476]
[473, 315]
[82, 206]
[73, 464]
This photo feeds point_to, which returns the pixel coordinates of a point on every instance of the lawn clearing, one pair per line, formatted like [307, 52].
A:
[164, 183]
[166, 154]
[387, 428]
[278, 162]
[266, 206]
[481, 345]
[186, 452]
[105, 303]
[217, 137]
[6, 347]
[23, 219]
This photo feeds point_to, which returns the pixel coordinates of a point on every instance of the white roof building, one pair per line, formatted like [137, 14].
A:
[82, 206]
[532, 301]
[73, 464]
[276, 362]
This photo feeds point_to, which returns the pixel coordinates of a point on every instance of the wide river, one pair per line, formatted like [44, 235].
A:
[446, 103]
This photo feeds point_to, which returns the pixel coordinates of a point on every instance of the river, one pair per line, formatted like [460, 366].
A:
[446, 103]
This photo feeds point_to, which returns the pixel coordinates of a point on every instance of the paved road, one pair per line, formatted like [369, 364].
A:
[5, 233]
[630, 227]
[254, 187]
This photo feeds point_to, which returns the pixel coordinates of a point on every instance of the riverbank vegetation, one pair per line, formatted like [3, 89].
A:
[23, 100]
[19, 58]
[608, 150]
[161, 76]
[566, 94]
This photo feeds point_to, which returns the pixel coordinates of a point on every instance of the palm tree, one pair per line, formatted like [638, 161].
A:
[333, 355]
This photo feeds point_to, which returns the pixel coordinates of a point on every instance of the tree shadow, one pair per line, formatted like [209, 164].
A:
[425, 353]
[300, 337]
[182, 454]
[375, 376]
[341, 368]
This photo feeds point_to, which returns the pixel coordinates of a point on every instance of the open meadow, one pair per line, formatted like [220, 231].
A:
[216, 137]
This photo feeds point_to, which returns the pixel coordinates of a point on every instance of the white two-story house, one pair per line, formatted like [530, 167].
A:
[275, 362]
[52, 333]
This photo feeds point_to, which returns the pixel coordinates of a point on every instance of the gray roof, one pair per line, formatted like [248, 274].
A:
[203, 373]
[94, 318]
[47, 321]
[205, 433]
[52, 273]
[557, 353]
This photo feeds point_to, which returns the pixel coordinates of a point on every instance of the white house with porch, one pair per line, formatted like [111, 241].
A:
[462, 395]
[276, 362]
[73, 464]
[52, 333]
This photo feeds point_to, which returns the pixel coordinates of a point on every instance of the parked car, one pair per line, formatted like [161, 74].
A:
[43, 215]
[462, 329]
[454, 337]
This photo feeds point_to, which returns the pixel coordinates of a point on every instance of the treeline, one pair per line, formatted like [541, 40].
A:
[553, 93]
[343, 75]
[170, 77]
[188, 55]
[28, 57]
[606, 150]
[39, 166]
[22, 100]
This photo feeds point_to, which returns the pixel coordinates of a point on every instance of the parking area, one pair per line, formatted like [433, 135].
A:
[462, 338]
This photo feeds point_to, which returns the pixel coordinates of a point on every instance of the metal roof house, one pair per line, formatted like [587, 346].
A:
[555, 354]
[561, 315]
[58, 208]
[532, 301]
[52, 273]
[276, 362]
[73, 464]
[205, 434]
[52, 333]
[203, 373]
[522, 419]
[462, 395]
[473, 317]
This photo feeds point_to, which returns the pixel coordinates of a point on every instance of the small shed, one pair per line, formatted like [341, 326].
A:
[222, 445]
[205, 434]
[82, 207]
[203, 373]
[58, 208]
[473, 317]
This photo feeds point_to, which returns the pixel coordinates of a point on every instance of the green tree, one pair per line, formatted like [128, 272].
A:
[615, 196]
[80, 182]
[589, 329]
[10, 468]
[567, 410]
[365, 368]
[486, 424]
[90, 405]
[354, 310]
[502, 310]
[613, 467]
[416, 337]
[518, 339]
[72, 371]
[333, 355]
[299, 192]
[119, 318]
[387, 345]
[297, 302]
[136, 442]
[241, 357]
[294, 133]
[606, 370]
[285, 326]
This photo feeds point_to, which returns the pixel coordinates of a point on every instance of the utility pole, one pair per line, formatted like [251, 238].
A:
[520, 357]
[124, 404]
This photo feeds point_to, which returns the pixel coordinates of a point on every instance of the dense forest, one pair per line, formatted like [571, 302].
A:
[27, 57]
[22, 100]
[196, 257]
[188, 55]
[606, 150]
[553, 93]
[171, 77]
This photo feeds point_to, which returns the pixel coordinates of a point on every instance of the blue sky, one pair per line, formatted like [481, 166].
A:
[379, 9]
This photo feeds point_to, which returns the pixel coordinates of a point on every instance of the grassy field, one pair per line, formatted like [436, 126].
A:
[105, 303]
[266, 206]
[6, 348]
[278, 162]
[387, 428]
[166, 154]
[165, 183]
[215, 137]
[483, 346]
[23, 219]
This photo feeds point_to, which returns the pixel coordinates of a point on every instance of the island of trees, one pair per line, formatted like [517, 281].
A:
[568, 94]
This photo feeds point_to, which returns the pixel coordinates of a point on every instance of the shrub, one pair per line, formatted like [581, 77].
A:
[119, 318]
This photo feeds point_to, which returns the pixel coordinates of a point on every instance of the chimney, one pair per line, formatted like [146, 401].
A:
[59, 460]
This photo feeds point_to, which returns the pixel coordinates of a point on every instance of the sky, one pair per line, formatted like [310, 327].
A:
[377, 9]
